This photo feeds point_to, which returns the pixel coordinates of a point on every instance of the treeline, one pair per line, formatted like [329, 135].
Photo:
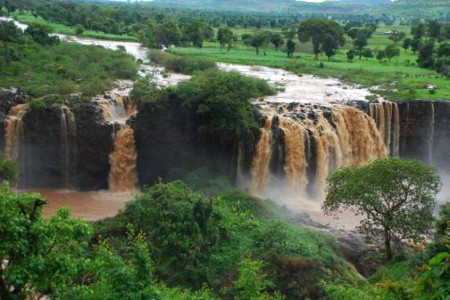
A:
[121, 18]
[38, 63]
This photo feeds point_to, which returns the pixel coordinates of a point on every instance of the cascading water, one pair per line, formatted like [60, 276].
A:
[122, 174]
[14, 131]
[317, 140]
[386, 115]
[117, 109]
[68, 143]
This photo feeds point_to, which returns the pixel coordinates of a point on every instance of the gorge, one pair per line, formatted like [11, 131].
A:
[107, 144]
[311, 127]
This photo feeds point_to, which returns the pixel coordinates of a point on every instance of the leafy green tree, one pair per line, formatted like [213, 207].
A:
[9, 32]
[182, 225]
[426, 52]
[144, 90]
[226, 114]
[407, 43]
[434, 28]
[395, 196]
[360, 42]
[416, 44]
[329, 46]
[418, 31]
[167, 34]
[37, 256]
[397, 36]
[247, 39]
[79, 29]
[9, 172]
[252, 282]
[367, 53]
[195, 33]
[289, 32]
[260, 40]
[391, 51]
[41, 34]
[277, 40]
[290, 48]
[319, 31]
[225, 37]
[351, 55]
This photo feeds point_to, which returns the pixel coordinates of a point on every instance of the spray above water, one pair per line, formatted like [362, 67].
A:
[316, 140]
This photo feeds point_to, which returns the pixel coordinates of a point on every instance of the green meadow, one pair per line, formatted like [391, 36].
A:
[398, 79]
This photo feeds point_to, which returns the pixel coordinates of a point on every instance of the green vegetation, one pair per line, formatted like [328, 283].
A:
[41, 65]
[421, 275]
[218, 102]
[397, 79]
[8, 170]
[396, 196]
[197, 240]
[28, 18]
[180, 64]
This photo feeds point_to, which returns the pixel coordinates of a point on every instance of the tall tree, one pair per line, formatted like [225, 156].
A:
[318, 31]
[225, 38]
[397, 36]
[360, 41]
[395, 196]
[290, 48]
[391, 51]
[277, 40]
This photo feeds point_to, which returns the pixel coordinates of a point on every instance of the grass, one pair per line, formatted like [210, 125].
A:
[28, 18]
[399, 79]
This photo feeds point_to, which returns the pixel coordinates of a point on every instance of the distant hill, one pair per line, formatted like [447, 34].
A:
[407, 8]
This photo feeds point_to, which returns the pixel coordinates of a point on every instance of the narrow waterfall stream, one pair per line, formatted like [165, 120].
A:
[14, 131]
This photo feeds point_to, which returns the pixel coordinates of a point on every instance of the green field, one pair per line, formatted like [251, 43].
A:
[28, 18]
[399, 79]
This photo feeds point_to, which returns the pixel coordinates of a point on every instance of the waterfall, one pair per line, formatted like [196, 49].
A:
[14, 131]
[387, 118]
[260, 164]
[116, 110]
[68, 143]
[122, 174]
[317, 141]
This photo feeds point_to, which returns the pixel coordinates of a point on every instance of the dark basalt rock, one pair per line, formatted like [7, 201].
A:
[40, 157]
[42, 151]
[425, 135]
[94, 145]
[169, 146]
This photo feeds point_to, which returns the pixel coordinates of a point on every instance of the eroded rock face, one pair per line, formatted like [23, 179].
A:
[425, 132]
[60, 151]
[168, 146]
[94, 144]
[40, 155]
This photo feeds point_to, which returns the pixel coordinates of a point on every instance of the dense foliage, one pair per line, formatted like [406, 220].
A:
[180, 64]
[41, 65]
[395, 196]
[219, 102]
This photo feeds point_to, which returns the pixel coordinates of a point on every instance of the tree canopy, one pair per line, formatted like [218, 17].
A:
[321, 32]
[393, 195]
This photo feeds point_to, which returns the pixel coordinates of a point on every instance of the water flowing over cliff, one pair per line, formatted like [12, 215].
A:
[14, 131]
[301, 144]
[68, 144]
[117, 108]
